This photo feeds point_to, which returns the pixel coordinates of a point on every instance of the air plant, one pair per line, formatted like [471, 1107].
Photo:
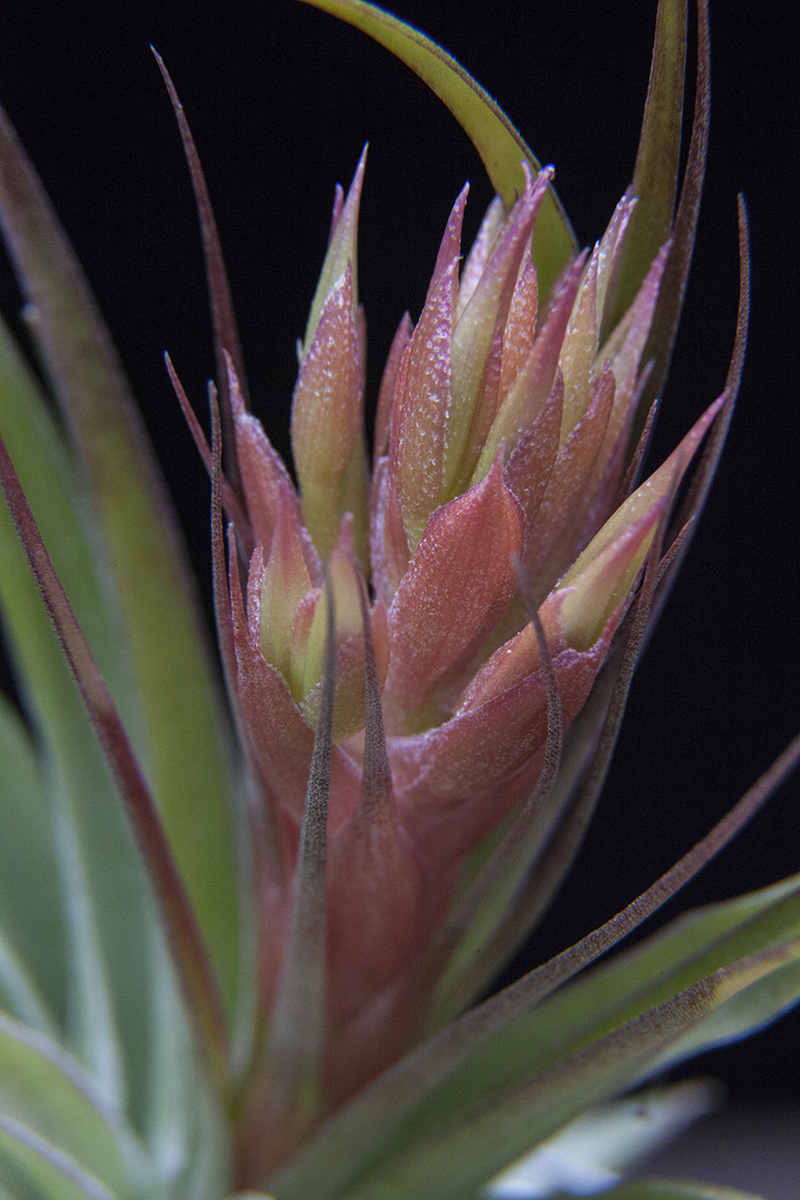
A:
[245, 948]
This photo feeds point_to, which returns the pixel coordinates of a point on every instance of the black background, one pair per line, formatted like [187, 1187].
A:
[281, 99]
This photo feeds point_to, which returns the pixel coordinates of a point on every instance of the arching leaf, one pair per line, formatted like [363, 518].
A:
[499, 144]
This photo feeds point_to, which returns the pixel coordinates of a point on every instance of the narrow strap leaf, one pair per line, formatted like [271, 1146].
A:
[226, 336]
[19, 993]
[499, 144]
[338, 1152]
[49, 1166]
[457, 1160]
[673, 285]
[230, 501]
[188, 948]
[655, 178]
[703, 476]
[709, 460]
[32, 958]
[182, 747]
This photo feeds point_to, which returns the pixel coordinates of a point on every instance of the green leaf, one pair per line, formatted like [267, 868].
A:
[125, 1018]
[52, 485]
[101, 982]
[45, 1092]
[41, 1171]
[19, 993]
[543, 1041]
[603, 1144]
[697, 944]
[655, 178]
[191, 960]
[669, 1189]
[682, 955]
[451, 1158]
[745, 1013]
[499, 144]
[182, 750]
[186, 1133]
[102, 888]
[32, 959]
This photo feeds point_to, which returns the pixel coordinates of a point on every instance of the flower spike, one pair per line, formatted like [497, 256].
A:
[465, 688]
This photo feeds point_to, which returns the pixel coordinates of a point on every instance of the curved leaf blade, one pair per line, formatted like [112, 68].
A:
[101, 973]
[51, 480]
[684, 955]
[102, 888]
[656, 186]
[744, 1014]
[458, 1158]
[183, 748]
[358, 1132]
[44, 1091]
[53, 1174]
[499, 144]
[189, 949]
[599, 1148]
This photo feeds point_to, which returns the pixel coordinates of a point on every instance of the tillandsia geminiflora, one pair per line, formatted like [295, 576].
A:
[261, 968]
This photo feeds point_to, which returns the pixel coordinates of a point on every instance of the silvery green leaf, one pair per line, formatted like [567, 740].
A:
[182, 743]
[598, 1148]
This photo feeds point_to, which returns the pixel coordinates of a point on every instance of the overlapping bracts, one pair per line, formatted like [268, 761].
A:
[502, 451]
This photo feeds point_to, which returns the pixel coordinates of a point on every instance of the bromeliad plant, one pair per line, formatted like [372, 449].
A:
[250, 964]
